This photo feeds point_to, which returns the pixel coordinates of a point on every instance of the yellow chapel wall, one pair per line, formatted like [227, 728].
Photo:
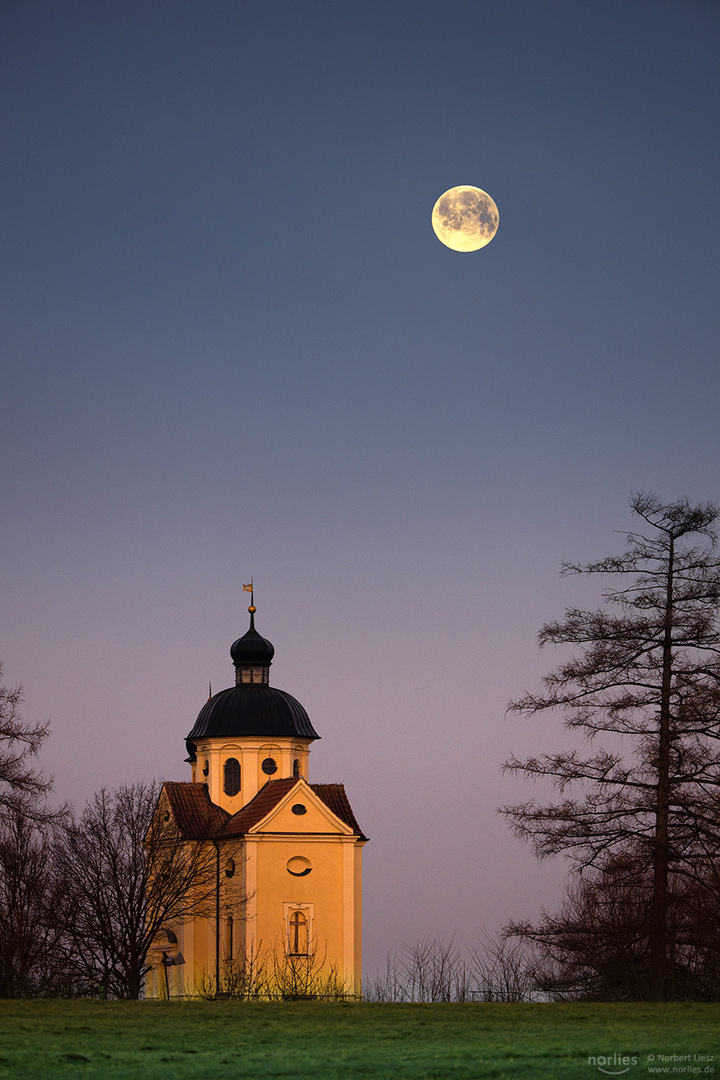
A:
[197, 936]
[329, 896]
[262, 894]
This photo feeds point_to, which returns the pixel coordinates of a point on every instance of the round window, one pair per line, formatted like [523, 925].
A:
[269, 766]
[299, 866]
[298, 809]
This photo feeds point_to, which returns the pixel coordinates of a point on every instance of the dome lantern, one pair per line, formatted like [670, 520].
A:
[251, 708]
[252, 655]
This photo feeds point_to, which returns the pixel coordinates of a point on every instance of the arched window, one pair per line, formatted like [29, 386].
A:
[298, 934]
[232, 776]
[296, 768]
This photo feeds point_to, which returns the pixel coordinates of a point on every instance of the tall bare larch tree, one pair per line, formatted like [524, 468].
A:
[644, 676]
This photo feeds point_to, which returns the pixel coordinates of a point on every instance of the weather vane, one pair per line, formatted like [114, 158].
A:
[249, 588]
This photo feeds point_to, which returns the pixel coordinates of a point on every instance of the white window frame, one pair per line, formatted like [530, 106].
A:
[308, 910]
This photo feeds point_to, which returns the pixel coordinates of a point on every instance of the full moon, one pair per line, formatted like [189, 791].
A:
[465, 218]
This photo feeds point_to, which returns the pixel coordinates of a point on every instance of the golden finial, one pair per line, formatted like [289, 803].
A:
[249, 588]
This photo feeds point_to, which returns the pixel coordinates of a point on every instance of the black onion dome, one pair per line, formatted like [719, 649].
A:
[252, 649]
[251, 709]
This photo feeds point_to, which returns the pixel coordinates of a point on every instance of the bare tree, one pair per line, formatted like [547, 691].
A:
[598, 945]
[387, 985]
[430, 970]
[247, 976]
[646, 676]
[503, 970]
[22, 787]
[433, 970]
[426, 970]
[132, 873]
[30, 934]
[32, 962]
[294, 977]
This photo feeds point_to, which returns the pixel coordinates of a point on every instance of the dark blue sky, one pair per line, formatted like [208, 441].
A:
[233, 347]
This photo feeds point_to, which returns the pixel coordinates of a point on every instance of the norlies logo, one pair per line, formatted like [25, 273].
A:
[613, 1064]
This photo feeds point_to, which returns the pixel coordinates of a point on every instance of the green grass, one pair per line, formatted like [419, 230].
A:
[314, 1041]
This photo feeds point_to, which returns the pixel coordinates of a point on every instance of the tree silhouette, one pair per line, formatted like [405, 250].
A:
[646, 677]
[22, 787]
[131, 873]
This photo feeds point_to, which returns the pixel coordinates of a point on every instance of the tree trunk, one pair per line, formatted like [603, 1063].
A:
[659, 914]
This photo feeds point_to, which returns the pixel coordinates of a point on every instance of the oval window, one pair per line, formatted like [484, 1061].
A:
[298, 808]
[299, 866]
[232, 776]
[269, 766]
[230, 868]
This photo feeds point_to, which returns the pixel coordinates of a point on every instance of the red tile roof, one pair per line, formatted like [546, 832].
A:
[267, 798]
[333, 795]
[197, 818]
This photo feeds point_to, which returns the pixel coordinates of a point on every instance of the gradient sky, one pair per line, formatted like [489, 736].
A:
[233, 347]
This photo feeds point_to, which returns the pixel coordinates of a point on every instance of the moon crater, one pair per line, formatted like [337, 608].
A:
[465, 218]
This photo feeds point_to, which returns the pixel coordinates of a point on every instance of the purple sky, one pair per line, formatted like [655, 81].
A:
[233, 347]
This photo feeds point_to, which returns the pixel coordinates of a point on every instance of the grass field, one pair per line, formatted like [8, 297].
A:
[235, 1040]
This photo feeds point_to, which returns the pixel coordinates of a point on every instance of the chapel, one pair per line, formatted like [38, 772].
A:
[283, 908]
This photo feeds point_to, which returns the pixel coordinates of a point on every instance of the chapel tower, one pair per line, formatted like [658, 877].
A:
[251, 732]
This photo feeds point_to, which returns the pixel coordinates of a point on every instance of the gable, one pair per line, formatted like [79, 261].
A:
[326, 810]
[302, 811]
